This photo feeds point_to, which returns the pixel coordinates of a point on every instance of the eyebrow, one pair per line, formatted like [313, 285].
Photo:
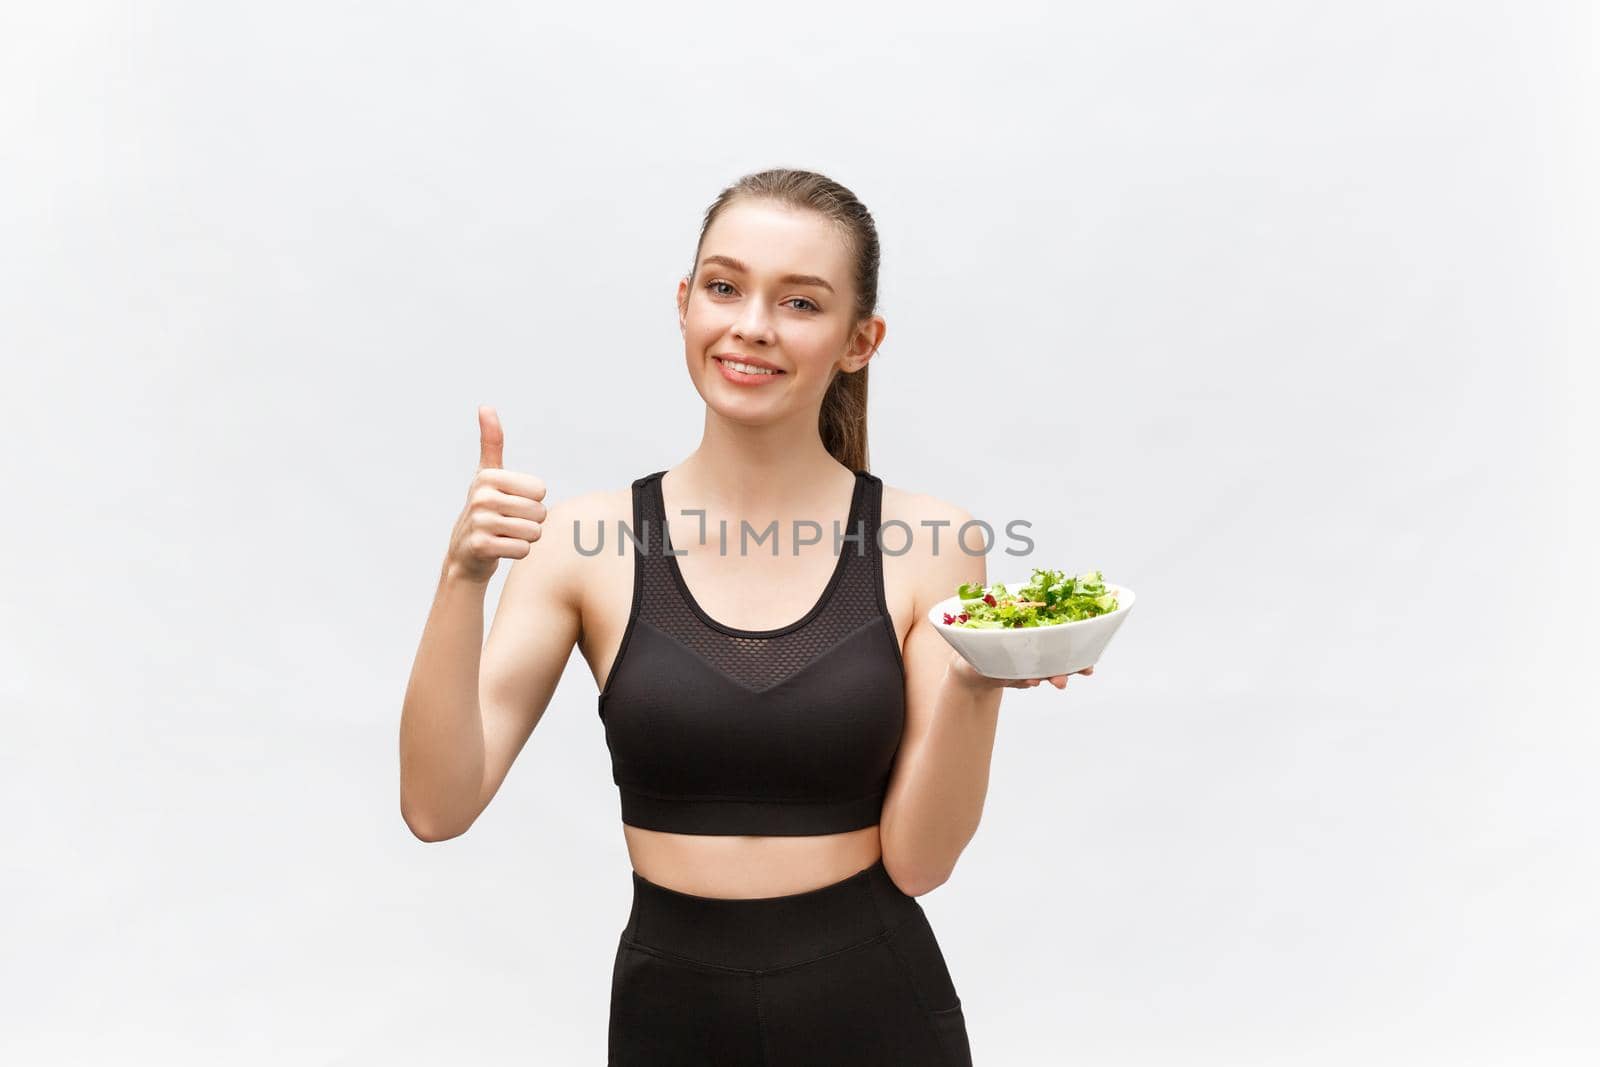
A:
[792, 279]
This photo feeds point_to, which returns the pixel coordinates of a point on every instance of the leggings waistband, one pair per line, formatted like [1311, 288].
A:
[765, 933]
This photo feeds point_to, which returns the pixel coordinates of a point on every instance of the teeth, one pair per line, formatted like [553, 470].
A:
[749, 368]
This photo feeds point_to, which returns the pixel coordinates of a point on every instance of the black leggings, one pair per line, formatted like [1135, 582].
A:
[842, 975]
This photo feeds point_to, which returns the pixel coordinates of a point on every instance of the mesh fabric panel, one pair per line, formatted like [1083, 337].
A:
[762, 659]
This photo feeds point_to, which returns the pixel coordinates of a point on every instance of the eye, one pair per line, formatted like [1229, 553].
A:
[711, 286]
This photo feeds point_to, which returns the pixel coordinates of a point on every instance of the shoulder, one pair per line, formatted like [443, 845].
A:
[940, 535]
[577, 522]
[923, 513]
[579, 519]
[596, 504]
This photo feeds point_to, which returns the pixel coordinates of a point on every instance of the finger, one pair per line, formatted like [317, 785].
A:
[509, 547]
[514, 504]
[1087, 670]
[491, 438]
[514, 482]
[511, 526]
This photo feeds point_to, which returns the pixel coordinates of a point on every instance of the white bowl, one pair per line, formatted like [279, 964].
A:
[1033, 651]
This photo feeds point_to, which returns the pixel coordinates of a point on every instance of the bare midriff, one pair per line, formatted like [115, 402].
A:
[737, 866]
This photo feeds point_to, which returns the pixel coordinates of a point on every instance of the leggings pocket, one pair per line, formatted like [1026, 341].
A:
[920, 958]
[923, 961]
[950, 1027]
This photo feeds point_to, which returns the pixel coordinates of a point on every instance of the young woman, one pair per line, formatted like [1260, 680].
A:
[798, 754]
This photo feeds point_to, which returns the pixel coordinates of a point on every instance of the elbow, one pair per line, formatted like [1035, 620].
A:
[434, 835]
[914, 883]
[430, 830]
[917, 888]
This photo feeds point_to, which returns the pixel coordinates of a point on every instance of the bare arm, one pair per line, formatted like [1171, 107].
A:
[535, 629]
[941, 775]
[441, 729]
[470, 707]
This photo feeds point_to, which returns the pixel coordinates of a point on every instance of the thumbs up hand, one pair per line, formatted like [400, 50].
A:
[504, 511]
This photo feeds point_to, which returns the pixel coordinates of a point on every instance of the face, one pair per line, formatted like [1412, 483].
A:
[773, 288]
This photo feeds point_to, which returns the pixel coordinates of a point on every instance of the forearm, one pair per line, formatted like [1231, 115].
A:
[945, 788]
[441, 725]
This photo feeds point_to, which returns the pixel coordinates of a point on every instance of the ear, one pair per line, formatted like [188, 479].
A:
[864, 343]
[683, 305]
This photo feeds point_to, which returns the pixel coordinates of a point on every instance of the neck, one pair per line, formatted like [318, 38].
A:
[760, 472]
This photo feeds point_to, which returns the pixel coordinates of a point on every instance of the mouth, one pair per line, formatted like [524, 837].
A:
[742, 370]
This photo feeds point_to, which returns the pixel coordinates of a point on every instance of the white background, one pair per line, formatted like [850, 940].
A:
[1280, 313]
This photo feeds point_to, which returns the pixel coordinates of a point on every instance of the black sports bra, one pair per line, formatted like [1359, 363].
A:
[791, 731]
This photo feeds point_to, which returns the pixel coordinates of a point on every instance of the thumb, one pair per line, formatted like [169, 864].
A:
[491, 439]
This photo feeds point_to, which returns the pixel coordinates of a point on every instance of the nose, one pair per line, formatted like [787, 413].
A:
[753, 326]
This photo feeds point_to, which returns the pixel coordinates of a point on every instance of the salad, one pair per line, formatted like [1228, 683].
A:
[1049, 598]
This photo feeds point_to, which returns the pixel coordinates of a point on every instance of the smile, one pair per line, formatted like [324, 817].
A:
[745, 373]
